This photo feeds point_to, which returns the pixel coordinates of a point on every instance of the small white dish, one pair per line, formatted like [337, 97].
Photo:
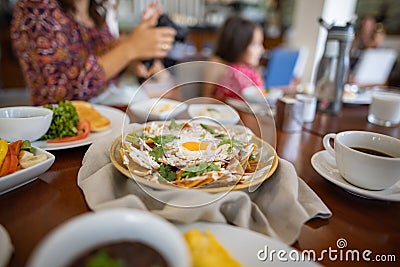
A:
[24, 122]
[117, 118]
[90, 230]
[220, 113]
[353, 94]
[24, 176]
[325, 165]
[256, 95]
[249, 247]
[157, 109]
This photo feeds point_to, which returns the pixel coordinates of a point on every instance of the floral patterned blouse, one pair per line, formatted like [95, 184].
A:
[233, 82]
[58, 55]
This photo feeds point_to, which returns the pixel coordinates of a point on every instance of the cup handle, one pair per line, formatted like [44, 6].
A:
[327, 144]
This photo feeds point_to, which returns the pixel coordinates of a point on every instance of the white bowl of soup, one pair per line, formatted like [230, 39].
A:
[130, 237]
[24, 122]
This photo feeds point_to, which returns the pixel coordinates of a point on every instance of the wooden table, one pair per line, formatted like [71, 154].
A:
[31, 211]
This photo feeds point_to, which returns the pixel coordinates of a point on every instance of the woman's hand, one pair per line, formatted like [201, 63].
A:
[149, 41]
[140, 70]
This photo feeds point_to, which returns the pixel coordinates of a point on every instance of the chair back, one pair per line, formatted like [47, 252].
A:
[374, 66]
[280, 68]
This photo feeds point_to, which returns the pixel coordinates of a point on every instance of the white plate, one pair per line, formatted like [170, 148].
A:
[157, 109]
[354, 95]
[244, 245]
[116, 116]
[325, 165]
[254, 94]
[221, 113]
[24, 176]
[79, 234]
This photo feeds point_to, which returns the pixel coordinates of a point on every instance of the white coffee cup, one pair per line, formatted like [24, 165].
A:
[384, 109]
[364, 169]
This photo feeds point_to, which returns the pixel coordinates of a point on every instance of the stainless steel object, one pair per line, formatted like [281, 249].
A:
[333, 67]
[289, 114]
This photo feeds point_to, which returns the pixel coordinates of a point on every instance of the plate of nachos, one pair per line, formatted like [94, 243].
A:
[190, 154]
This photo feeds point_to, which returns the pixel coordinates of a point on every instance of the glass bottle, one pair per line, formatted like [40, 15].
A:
[333, 67]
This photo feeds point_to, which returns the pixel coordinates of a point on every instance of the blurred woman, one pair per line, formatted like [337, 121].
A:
[66, 50]
[369, 35]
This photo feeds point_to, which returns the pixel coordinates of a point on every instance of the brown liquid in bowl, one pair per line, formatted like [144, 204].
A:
[127, 253]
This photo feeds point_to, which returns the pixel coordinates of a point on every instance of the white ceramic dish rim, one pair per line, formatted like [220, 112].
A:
[88, 230]
[21, 177]
[29, 112]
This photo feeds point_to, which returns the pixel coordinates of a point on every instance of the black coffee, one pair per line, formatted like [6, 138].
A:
[372, 152]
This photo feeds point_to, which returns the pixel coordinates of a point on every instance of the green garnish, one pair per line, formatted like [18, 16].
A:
[164, 139]
[203, 167]
[174, 125]
[64, 122]
[212, 109]
[232, 142]
[157, 152]
[207, 128]
[102, 259]
[167, 173]
[136, 137]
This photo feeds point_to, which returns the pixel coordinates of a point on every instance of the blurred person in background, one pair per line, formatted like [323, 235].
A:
[67, 52]
[370, 34]
[240, 46]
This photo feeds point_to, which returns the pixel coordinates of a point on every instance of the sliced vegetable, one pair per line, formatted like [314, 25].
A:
[26, 146]
[3, 151]
[10, 163]
[83, 131]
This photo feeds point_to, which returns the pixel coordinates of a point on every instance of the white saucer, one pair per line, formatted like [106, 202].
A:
[325, 165]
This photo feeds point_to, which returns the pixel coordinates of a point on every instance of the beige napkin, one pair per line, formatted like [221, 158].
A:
[278, 208]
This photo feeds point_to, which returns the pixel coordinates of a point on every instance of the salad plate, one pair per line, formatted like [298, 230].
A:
[24, 176]
[116, 116]
[250, 248]
[177, 154]
[325, 165]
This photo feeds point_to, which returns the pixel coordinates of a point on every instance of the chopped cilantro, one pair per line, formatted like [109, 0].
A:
[174, 125]
[167, 173]
[203, 167]
[232, 142]
[164, 139]
[157, 152]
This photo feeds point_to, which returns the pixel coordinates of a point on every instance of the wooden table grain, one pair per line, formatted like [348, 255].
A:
[30, 212]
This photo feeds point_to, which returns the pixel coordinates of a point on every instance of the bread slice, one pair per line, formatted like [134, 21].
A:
[86, 111]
